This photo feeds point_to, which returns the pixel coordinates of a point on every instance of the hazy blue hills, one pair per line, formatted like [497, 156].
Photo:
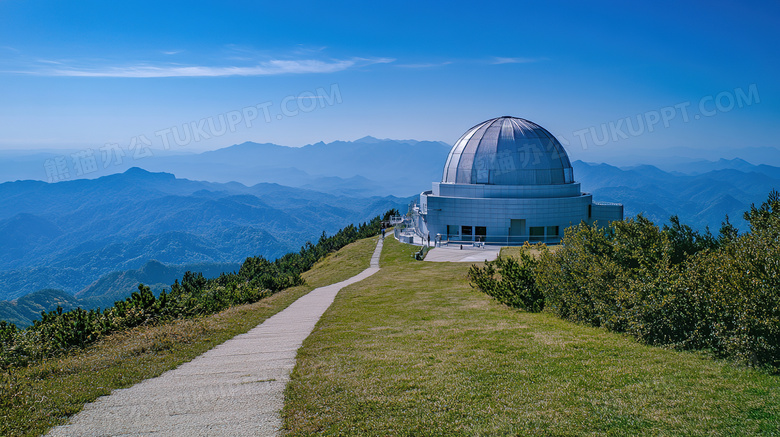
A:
[680, 158]
[67, 235]
[693, 188]
[117, 285]
[367, 166]
[27, 308]
[362, 168]
[105, 291]
[701, 198]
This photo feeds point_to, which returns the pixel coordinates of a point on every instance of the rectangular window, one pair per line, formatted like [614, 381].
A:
[465, 231]
[452, 231]
[480, 232]
[552, 231]
[536, 233]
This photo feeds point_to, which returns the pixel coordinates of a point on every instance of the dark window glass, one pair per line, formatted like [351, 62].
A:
[537, 233]
[480, 232]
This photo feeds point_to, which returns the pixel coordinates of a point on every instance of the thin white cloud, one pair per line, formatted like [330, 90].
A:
[272, 67]
[303, 50]
[500, 60]
[171, 52]
[428, 65]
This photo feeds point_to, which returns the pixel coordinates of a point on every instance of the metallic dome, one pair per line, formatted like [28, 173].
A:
[508, 151]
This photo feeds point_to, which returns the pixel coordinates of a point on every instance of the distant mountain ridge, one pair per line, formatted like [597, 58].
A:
[391, 166]
[105, 291]
[154, 274]
[728, 187]
[24, 310]
[382, 166]
[369, 166]
[67, 235]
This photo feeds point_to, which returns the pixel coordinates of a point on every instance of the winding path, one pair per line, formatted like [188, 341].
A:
[235, 389]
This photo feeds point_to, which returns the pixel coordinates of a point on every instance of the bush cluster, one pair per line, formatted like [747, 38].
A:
[670, 286]
[59, 331]
[510, 281]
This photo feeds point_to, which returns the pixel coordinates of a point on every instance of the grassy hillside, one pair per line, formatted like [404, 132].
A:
[36, 398]
[413, 350]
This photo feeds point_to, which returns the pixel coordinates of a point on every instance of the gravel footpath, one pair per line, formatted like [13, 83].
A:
[235, 389]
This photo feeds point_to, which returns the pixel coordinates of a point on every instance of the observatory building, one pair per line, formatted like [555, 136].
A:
[506, 181]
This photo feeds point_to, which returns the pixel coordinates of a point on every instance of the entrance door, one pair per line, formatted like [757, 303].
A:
[516, 230]
[452, 232]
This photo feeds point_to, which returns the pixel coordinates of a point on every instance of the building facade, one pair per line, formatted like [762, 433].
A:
[506, 181]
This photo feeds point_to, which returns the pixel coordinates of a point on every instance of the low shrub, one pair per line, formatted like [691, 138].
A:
[672, 287]
[509, 281]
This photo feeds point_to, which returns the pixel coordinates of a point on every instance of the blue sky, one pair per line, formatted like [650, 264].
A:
[701, 75]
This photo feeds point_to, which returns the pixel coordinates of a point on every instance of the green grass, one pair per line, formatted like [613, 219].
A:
[413, 350]
[34, 399]
[343, 264]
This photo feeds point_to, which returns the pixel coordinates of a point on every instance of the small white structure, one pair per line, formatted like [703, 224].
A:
[506, 181]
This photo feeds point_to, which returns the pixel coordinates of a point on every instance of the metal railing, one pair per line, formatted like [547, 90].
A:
[396, 219]
[407, 236]
[503, 240]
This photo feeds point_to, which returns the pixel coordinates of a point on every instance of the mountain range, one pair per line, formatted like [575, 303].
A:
[365, 167]
[102, 293]
[67, 235]
[701, 199]
[88, 242]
